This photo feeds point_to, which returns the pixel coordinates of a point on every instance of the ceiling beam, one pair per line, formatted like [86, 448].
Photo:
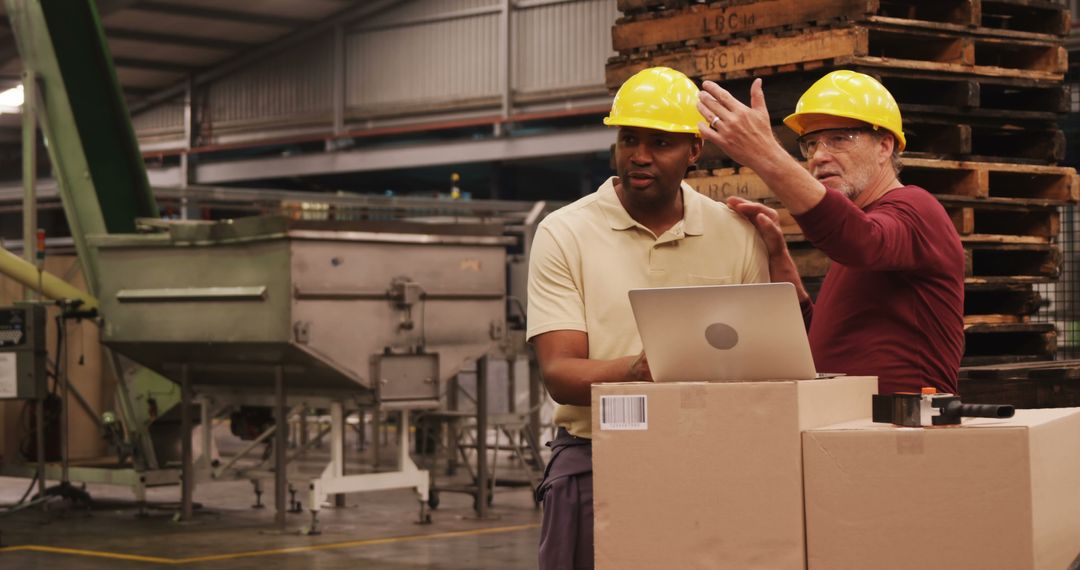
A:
[106, 7]
[564, 143]
[325, 26]
[137, 92]
[152, 65]
[219, 14]
[174, 40]
[8, 49]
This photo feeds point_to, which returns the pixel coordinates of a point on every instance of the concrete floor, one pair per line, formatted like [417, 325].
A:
[373, 531]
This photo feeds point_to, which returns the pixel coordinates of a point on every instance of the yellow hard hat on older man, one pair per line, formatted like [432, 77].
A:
[850, 95]
[658, 98]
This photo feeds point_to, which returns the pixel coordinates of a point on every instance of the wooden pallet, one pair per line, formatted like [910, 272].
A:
[718, 21]
[1007, 262]
[988, 344]
[722, 183]
[1045, 185]
[1063, 369]
[925, 93]
[1047, 384]
[992, 180]
[996, 304]
[692, 24]
[994, 221]
[982, 303]
[984, 263]
[1002, 220]
[1044, 17]
[644, 6]
[945, 141]
[873, 46]
[943, 138]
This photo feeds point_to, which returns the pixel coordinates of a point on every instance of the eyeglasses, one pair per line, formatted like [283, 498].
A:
[832, 140]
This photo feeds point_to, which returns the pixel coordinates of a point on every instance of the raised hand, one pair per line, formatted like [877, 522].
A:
[743, 133]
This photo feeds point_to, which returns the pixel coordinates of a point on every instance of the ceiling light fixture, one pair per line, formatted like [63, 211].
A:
[11, 100]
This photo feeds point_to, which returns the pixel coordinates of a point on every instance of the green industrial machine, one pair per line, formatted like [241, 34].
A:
[343, 316]
[73, 91]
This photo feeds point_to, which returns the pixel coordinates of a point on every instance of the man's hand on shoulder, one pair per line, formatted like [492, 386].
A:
[767, 221]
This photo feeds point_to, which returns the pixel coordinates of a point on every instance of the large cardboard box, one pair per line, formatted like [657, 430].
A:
[991, 494]
[708, 475]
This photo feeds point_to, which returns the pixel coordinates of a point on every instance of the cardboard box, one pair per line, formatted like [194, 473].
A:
[989, 494]
[708, 475]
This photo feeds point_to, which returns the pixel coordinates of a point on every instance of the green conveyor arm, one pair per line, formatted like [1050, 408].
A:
[90, 140]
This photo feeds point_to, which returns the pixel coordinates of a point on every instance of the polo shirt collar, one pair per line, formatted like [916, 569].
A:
[619, 219]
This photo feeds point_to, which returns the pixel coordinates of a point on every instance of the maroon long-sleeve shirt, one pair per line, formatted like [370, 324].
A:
[892, 303]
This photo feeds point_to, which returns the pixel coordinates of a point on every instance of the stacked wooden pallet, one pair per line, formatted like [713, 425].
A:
[1049, 384]
[980, 84]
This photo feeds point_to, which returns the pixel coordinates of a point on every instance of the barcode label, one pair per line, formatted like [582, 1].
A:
[624, 412]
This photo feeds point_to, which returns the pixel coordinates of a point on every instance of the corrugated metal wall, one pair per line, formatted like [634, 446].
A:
[562, 46]
[426, 56]
[418, 10]
[162, 119]
[436, 64]
[296, 84]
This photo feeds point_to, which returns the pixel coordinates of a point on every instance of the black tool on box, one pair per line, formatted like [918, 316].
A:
[931, 408]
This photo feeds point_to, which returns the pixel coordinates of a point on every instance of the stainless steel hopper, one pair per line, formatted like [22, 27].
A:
[379, 310]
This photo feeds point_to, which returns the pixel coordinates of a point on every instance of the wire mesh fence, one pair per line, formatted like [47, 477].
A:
[1061, 298]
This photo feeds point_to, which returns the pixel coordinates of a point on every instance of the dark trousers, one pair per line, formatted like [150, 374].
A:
[566, 534]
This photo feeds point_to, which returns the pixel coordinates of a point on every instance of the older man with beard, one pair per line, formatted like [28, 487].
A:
[892, 301]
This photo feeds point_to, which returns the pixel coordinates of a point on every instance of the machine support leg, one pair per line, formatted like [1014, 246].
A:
[187, 469]
[39, 406]
[376, 435]
[511, 384]
[65, 437]
[481, 438]
[140, 498]
[257, 484]
[452, 453]
[337, 446]
[511, 387]
[206, 424]
[361, 431]
[303, 428]
[280, 436]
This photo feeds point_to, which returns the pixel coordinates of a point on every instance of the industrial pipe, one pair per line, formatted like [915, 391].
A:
[25, 273]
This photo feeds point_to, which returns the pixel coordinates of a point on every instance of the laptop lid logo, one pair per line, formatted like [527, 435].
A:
[721, 336]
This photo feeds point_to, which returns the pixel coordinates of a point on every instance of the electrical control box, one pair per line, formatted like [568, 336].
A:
[22, 351]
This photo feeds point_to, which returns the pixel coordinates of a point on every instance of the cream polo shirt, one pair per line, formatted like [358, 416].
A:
[587, 255]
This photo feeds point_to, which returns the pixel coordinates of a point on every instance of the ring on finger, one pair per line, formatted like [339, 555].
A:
[712, 123]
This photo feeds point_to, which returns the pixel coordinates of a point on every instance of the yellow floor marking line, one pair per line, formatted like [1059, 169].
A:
[89, 553]
[269, 552]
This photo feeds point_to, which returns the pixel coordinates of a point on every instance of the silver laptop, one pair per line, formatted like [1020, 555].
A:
[723, 333]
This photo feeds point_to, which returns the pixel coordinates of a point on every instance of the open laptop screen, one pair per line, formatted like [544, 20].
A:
[723, 333]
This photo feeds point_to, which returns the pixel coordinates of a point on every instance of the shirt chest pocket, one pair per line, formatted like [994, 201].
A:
[695, 279]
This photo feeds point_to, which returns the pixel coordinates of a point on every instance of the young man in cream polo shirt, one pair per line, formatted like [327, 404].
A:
[643, 228]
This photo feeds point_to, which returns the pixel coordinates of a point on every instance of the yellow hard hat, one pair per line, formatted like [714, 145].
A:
[851, 95]
[658, 98]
